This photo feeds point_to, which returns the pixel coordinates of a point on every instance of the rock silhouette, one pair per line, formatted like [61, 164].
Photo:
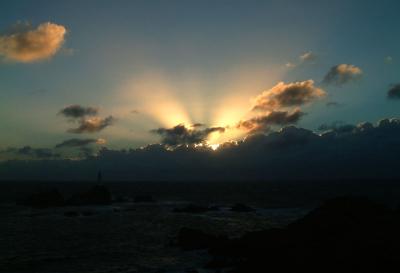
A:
[345, 234]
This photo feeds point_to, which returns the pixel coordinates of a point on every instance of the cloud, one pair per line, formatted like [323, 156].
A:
[92, 125]
[28, 44]
[333, 104]
[181, 135]
[78, 111]
[288, 95]
[289, 153]
[394, 92]
[87, 119]
[264, 122]
[135, 111]
[306, 58]
[35, 153]
[342, 74]
[388, 59]
[78, 142]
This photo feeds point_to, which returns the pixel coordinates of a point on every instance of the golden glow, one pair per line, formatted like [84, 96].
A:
[214, 146]
[220, 101]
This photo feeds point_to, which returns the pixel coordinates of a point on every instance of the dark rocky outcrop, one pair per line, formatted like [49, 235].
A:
[342, 235]
[241, 208]
[190, 239]
[192, 208]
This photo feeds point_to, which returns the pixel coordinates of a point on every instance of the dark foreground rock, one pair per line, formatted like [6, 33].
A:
[97, 195]
[192, 208]
[342, 235]
[44, 199]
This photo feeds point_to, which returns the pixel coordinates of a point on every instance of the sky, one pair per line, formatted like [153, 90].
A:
[78, 76]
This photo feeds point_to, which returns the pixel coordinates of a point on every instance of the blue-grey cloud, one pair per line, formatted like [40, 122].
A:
[394, 92]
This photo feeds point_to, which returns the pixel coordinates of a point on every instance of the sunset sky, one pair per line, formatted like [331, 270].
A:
[125, 74]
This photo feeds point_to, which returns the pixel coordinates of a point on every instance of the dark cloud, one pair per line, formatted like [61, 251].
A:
[342, 74]
[181, 135]
[337, 126]
[135, 111]
[77, 111]
[263, 123]
[34, 153]
[361, 151]
[92, 125]
[394, 92]
[79, 142]
[87, 119]
[288, 95]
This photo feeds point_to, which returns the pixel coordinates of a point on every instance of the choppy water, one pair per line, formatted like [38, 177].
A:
[123, 238]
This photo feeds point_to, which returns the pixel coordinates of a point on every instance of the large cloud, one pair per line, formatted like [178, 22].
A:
[181, 135]
[33, 44]
[363, 151]
[87, 119]
[394, 92]
[342, 74]
[288, 95]
[263, 123]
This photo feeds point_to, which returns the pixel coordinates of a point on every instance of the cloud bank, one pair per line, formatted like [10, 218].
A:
[358, 151]
[29, 44]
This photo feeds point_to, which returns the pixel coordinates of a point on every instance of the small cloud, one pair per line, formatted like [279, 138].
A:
[290, 65]
[181, 135]
[87, 119]
[388, 59]
[308, 57]
[27, 44]
[135, 112]
[288, 95]
[394, 92]
[77, 142]
[264, 122]
[333, 104]
[342, 74]
[78, 111]
[92, 125]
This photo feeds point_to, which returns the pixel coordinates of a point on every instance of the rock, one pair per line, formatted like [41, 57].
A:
[191, 208]
[98, 195]
[348, 234]
[191, 239]
[44, 199]
[241, 208]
